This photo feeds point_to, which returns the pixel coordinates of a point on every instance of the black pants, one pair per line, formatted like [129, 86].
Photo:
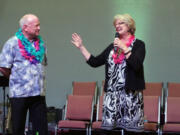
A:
[37, 111]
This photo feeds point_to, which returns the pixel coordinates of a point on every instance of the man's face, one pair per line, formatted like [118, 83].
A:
[33, 28]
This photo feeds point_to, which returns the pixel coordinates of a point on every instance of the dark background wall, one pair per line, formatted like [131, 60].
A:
[157, 24]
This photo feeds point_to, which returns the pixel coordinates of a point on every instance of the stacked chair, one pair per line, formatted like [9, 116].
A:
[153, 107]
[96, 125]
[172, 109]
[83, 111]
[153, 89]
[78, 115]
[173, 89]
[79, 108]
[152, 114]
[85, 88]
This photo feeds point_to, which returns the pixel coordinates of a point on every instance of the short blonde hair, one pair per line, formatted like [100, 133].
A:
[127, 19]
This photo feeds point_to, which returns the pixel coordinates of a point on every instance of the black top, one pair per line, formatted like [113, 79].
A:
[134, 71]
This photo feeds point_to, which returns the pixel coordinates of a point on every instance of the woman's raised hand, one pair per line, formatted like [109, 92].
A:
[76, 40]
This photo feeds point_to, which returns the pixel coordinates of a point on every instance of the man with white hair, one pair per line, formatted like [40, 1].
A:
[22, 60]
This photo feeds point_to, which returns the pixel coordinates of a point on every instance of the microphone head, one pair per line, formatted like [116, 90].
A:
[116, 35]
[115, 49]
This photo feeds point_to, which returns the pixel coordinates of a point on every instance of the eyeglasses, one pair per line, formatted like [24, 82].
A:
[120, 23]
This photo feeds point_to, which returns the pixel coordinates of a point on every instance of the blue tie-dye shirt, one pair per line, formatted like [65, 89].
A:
[26, 79]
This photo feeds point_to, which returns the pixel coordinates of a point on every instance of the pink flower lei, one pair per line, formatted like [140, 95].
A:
[119, 56]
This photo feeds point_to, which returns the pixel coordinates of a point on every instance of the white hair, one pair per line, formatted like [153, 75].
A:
[26, 19]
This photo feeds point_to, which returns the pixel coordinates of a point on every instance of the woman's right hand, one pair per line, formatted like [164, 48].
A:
[76, 40]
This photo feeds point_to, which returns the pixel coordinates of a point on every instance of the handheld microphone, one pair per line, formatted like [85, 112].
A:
[116, 36]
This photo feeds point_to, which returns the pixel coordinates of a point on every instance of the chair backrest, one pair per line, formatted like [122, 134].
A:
[172, 112]
[79, 107]
[153, 89]
[99, 108]
[84, 88]
[102, 88]
[152, 108]
[173, 89]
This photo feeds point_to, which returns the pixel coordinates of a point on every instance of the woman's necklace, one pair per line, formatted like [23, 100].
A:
[118, 56]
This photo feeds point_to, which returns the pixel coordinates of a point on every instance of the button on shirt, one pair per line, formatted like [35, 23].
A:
[26, 79]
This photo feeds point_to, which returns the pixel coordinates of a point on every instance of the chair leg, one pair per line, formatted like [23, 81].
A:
[55, 130]
[87, 131]
[122, 132]
[90, 130]
[160, 132]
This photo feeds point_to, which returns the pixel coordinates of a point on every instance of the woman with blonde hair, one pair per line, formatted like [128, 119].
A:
[124, 76]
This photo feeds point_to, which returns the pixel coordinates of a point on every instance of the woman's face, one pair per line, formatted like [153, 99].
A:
[121, 27]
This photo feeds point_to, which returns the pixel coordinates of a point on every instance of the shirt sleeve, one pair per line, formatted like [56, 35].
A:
[6, 55]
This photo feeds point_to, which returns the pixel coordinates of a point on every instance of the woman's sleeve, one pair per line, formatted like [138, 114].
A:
[137, 56]
[96, 61]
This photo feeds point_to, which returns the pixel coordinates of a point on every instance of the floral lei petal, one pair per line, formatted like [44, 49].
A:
[119, 57]
[33, 54]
